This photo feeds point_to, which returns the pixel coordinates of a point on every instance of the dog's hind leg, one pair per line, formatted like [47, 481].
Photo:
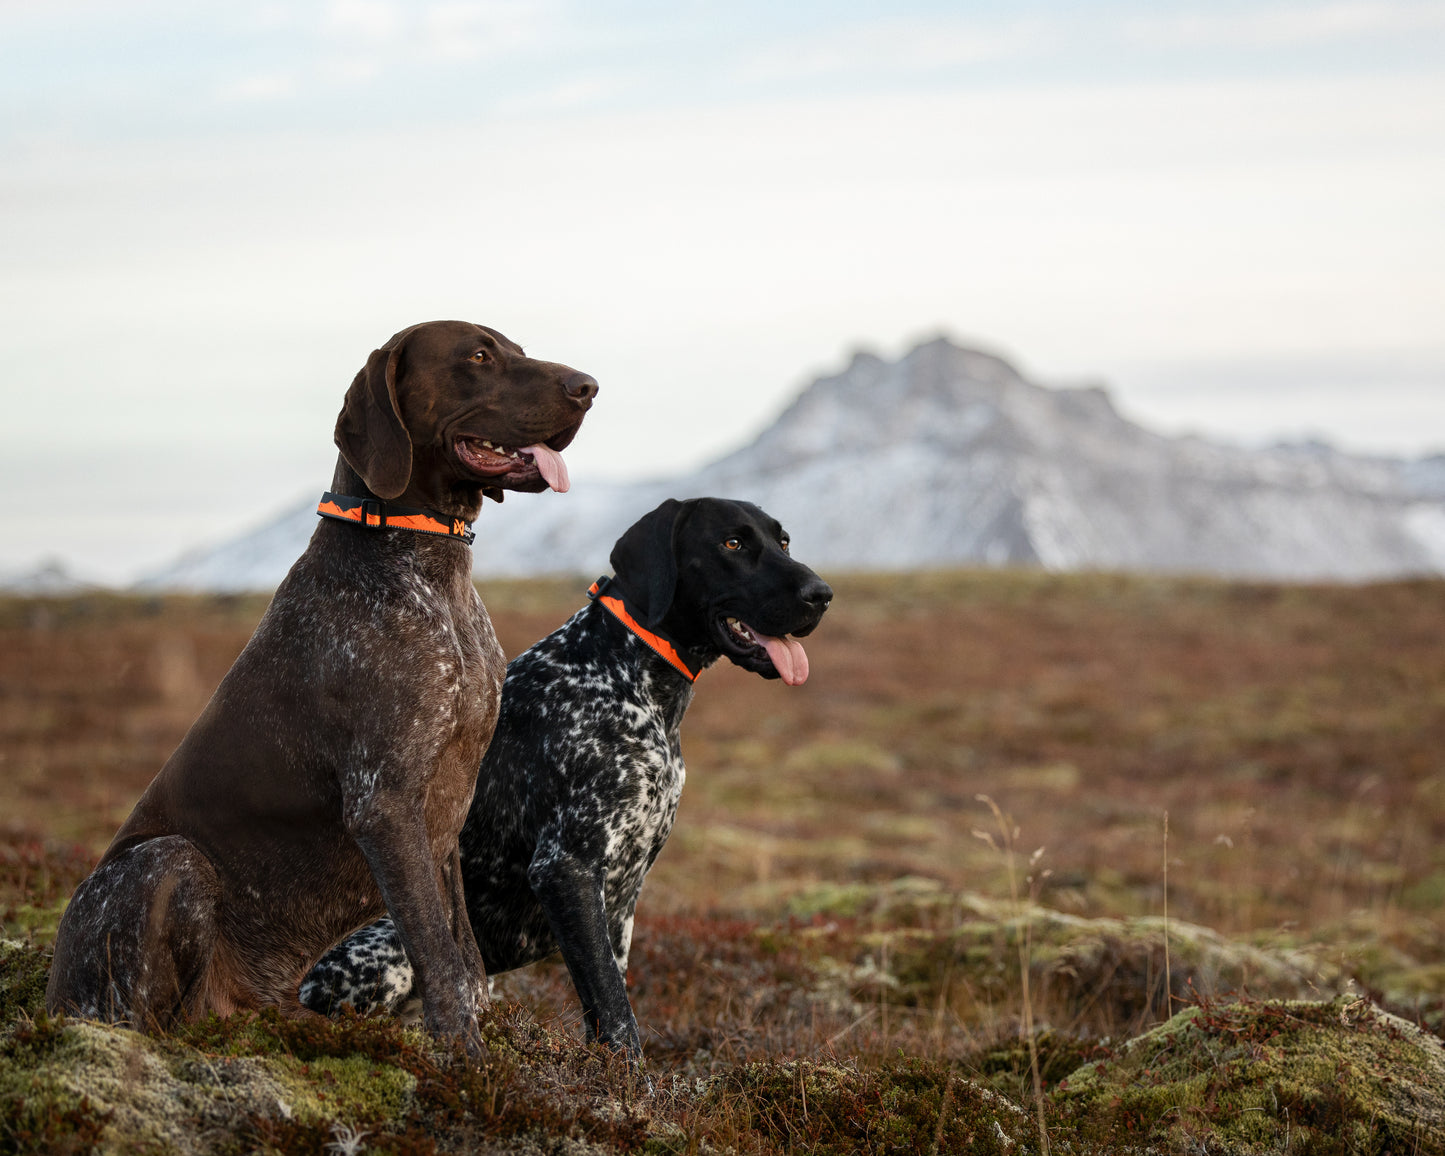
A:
[370, 971]
[136, 940]
[367, 971]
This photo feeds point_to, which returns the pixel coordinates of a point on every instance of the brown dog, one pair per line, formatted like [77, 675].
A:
[327, 779]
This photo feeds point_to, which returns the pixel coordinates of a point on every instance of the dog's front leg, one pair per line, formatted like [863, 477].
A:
[570, 892]
[454, 878]
[390, 830]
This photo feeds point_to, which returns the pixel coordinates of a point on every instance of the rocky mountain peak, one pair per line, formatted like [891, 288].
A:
[948, 456]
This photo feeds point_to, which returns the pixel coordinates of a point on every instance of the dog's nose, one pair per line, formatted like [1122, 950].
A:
[817, 594]
[581, 388]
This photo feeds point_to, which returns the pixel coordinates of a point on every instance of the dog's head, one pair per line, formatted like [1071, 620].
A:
[449, 405]
[715, 577]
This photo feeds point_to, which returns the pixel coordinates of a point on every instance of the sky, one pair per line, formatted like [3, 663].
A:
[1230, 214]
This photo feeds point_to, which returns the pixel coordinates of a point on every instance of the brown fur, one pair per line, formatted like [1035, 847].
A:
[327, 779]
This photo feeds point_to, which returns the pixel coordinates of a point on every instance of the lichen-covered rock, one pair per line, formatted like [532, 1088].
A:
[1107, 976]
[68, 1085]
[263, 1083]
[1245, 1078]
[1397, 961]
[1265, 1076]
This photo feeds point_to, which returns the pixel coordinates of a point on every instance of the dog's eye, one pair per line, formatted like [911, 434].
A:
[733, 544]
[785, 543]
[481, 357]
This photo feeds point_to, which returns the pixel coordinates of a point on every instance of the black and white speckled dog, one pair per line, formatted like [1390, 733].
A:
[578, 791]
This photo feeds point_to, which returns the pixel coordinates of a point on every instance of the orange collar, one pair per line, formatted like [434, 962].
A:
[659, 644]
[375, 513]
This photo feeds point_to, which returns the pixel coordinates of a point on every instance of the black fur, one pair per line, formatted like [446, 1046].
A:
[577, 793]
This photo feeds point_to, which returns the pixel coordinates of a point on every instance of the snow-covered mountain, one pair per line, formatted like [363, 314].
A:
[48, 578]
[949, 457]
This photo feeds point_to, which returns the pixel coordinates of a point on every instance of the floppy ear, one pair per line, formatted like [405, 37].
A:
[644, 562]
[369, 432]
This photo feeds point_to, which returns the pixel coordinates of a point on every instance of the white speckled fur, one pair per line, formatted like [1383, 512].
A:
[575, 799]
[327, 779]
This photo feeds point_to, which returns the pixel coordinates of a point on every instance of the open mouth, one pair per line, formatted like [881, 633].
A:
[514, 469]
[748, 647]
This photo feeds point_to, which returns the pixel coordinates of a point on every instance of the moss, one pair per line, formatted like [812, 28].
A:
[1419, 990]
[352, 1090]
[264, 1084]
[1397, 965]
[905, 1108]
[24, 972]
[1106, 974]
[32, 1117]
[1007, 1068]
[354, 1070]
[842, 899]
[908, 901]
[268, 1033]
[832, 757]
[118, 1089]
[1323, 1077]
[1056, 778]
[35, 924]
[1242, 1078]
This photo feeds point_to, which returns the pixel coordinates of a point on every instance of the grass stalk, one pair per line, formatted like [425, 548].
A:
[1008, 839]
[1168, 984]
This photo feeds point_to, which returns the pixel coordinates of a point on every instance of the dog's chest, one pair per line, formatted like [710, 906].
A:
[455, 653]
[467, 677]
[628, 770]
[434, 668]
[638, 818]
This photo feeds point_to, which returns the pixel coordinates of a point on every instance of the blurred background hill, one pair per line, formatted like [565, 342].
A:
[949, 457]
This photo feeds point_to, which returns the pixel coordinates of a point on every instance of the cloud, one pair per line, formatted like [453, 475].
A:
[260, 88]
[921, 46]
[914, 46]
[454, 29]
[349, 45]
[1282, 25]
[375, 21]
[467, 29]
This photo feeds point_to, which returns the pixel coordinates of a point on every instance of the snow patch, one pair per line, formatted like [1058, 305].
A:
[948, 457]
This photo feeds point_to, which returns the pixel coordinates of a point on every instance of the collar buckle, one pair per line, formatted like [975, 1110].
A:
[373, 513]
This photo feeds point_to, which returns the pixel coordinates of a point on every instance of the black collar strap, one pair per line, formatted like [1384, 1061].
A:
[379, 515]
[662, 646]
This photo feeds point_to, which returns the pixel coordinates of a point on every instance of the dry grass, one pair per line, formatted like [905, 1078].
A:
[823, 895]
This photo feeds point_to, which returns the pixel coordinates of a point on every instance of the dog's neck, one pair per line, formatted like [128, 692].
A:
[427, 529]
[666, 688]
[463, 502]
[686, 662]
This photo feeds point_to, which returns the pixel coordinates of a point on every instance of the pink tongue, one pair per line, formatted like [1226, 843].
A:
[788, 656]
[551, 466]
